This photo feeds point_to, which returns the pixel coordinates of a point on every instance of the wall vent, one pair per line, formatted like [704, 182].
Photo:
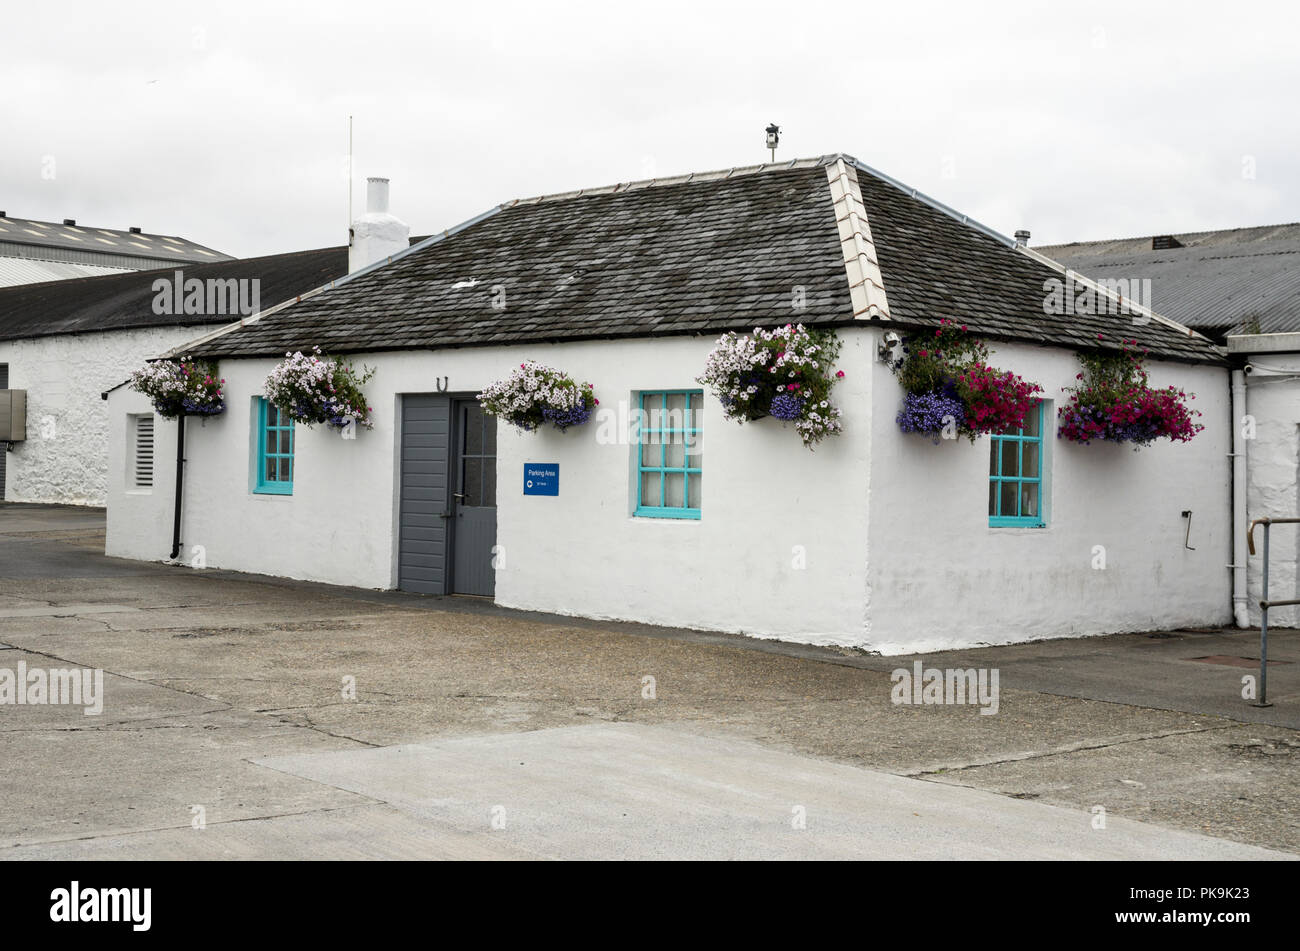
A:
[142, 458]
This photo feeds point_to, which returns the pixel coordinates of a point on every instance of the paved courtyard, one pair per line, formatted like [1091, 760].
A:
[250, 717]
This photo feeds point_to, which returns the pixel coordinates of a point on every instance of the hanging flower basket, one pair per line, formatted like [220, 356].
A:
[949, 386]
[181, 387]
[783, 373]
[1114, 403]
[931, 413]
[535, 394]
[312, 388]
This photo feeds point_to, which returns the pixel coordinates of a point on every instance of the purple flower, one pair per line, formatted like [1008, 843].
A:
[564, 418]
[928, 412]
[786, 406]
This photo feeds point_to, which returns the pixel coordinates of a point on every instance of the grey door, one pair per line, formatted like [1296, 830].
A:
[423, 517]
[474, 528]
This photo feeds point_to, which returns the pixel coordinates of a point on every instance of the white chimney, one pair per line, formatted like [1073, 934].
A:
[376, 234]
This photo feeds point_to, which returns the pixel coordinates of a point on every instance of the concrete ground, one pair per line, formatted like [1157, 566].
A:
[481, 732]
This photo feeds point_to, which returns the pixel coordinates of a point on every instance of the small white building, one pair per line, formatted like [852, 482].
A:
[878, 540]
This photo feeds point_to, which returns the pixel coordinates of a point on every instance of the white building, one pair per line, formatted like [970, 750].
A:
[878, 540]
[64, 343]
[1270, 424]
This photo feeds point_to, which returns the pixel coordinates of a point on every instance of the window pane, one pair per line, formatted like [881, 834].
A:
[1010, 462]
[1029, 459]
[696, 495]
[692, 418]
[284, 441]
[676, 411]
[473, 423]
[675, 452]
[490, 482]
[993, 456]
[695, 450]
[654, 411]
[1031, 422]
[286, 469]
[674, 490]
[1009, 499]
[272, 415]
[269, 473]
[650, 489]
[1029, 498]
[651, 451]
[993, 498]
[489, 435]
[472, 486]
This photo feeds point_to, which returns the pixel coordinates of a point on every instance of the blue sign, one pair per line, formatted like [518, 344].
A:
[541, 478]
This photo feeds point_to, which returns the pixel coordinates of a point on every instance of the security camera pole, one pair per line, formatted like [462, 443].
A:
[773, 137]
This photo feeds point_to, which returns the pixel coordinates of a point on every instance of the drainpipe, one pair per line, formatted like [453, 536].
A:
[180, 482]
[1240, 613]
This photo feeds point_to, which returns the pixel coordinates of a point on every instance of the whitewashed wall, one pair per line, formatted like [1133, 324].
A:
[940, 577]
[581, 553]
[64, 458]
[1273, 463]
[934, 575]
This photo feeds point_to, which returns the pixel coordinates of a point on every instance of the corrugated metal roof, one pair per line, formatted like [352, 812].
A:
[48, 234]
[1217, 282]
[14, 271]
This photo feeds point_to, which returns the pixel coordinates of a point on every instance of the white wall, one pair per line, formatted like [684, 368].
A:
[934, 575]
[580, 553]
[940, 577]
[1273, 463]
[64, 458]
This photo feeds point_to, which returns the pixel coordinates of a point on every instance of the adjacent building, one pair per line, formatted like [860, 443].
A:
[35, 251]
[64, 343]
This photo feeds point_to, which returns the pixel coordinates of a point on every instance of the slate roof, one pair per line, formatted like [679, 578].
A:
[125, 301]
[1216, 282]
[699, 256]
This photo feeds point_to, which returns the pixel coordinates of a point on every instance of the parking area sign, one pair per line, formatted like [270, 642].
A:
[541, 478]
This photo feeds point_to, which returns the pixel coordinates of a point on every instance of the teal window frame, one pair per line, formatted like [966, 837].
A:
[690, 474]
[996, 479]
[265, 427]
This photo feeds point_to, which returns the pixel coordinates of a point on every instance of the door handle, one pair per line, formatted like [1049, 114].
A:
[459, 497]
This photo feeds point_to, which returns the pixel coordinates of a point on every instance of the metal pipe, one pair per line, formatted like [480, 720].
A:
[1240, 611]
[1265, 603]
[1263, 626]
[180, 482]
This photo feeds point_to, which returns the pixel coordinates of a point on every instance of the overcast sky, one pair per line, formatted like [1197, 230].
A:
[227, 123]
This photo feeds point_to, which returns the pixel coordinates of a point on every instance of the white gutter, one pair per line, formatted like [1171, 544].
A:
[1240, 611]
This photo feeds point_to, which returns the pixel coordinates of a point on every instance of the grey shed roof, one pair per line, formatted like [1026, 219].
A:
[124, 300]
[697, 255]
[51, 235]
[1216, 282]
